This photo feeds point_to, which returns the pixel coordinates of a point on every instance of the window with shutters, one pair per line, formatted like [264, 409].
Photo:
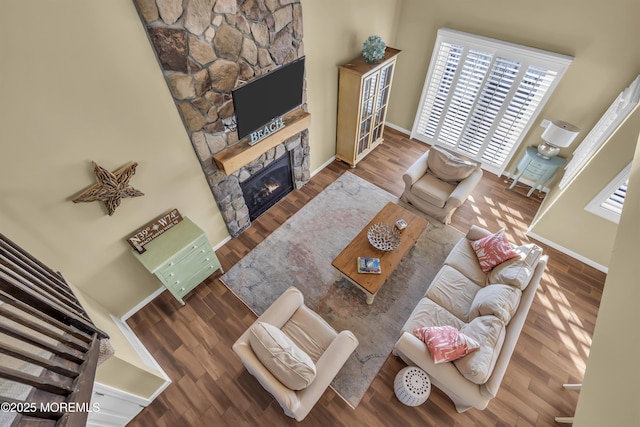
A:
[609, 202]
[482, 95]
[623, 105]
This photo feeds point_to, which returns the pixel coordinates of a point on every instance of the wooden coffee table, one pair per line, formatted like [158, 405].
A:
[346, 261]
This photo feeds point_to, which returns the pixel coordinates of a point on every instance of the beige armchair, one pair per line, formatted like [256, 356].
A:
[439, 182]
[304, 333]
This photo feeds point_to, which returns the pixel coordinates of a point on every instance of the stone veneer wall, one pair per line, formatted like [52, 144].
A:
[206, 48]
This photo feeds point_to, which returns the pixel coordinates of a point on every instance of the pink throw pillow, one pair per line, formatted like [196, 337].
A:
[446, 343]
[493, 250]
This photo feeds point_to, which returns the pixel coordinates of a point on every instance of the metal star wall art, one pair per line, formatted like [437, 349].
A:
[111, 187]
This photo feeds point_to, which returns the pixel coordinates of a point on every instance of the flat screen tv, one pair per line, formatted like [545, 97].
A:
[271, 95]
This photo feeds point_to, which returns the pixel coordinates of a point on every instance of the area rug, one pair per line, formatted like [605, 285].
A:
[299, 253]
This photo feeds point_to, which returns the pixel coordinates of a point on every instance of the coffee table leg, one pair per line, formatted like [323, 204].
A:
[369, 295]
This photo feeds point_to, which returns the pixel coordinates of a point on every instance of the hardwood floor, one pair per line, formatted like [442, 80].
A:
[211, 387]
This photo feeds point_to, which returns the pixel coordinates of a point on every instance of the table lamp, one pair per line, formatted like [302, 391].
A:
[558, 134]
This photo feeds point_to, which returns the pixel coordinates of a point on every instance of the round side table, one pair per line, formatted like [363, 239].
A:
[412, 386]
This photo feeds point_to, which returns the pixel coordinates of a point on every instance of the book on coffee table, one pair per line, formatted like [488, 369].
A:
[369, 265]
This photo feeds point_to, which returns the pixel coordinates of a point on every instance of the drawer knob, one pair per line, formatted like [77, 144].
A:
[171, 264]
[194, 246]
[212, 266]
[177, 282]
[207, 259]
[182, 289]
[171, 275]
[203, 251]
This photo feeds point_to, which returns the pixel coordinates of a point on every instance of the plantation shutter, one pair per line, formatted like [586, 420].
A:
[609, 202]
[615, 201]
[482, 95]
[621, 107]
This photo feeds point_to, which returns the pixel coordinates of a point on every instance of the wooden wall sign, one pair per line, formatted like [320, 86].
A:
[154, 229]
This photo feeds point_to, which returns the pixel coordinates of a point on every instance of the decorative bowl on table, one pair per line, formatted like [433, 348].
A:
[385, 237]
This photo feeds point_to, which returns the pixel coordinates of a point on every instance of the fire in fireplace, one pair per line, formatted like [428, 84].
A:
[266, 187]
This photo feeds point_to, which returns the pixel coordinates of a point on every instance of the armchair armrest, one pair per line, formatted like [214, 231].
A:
[416, 171]
[278, 313]
[464, 189]
[327, 368]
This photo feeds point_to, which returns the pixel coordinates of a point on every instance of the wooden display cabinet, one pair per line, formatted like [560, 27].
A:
[363, 96]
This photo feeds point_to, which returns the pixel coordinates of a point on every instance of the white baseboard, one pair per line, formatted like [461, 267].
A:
[222, 243]
[144, 354]
[569, 252]
[322, 166]
[398, 128]
[142, 303]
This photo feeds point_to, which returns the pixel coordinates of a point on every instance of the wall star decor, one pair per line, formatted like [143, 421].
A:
[111, 187]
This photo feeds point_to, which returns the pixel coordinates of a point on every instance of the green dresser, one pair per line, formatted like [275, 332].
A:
[181, 258]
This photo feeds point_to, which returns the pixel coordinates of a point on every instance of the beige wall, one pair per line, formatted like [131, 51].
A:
[563, 219]
[610, 394]
[79, 82]
[334, 31]
[594, 32]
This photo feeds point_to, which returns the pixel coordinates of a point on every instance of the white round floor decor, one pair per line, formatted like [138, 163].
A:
[412, 386]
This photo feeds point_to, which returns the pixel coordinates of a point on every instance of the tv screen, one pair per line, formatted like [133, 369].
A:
[269, 96]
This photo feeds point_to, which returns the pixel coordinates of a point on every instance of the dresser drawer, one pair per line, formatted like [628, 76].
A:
[184, 287]
[198, 248]
[534, 171]
[187, 266]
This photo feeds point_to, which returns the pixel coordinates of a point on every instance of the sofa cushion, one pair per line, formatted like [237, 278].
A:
[498, 300]
[447, 166]
[493, 250]
[453, 291]
[476, 233]
[446, 343]
[428, 313]
[432, 190]
[489, 332]
[290, 365]
[464, 259]
[518, 270]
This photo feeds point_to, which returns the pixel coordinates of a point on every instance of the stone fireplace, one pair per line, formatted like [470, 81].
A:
[205, 48]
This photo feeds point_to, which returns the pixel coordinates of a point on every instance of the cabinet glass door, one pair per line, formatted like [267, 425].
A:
[382, 100]
[366, 113]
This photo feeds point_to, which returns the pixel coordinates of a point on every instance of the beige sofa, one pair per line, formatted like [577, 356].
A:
[489, 307]
[439, 182]
[281, 368]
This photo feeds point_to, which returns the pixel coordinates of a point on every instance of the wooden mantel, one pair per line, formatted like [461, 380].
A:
[233, 158]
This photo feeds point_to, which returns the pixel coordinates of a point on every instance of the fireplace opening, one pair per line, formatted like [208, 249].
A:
[266, 187]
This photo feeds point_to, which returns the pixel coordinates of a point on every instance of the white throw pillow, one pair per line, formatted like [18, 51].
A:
[285, 360]
[489, 332]
[447, 166]
[498, 300]
[519, 270]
